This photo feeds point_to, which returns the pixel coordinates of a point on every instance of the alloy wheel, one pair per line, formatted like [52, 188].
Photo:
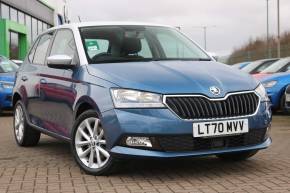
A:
[90, 144]
[19, 123]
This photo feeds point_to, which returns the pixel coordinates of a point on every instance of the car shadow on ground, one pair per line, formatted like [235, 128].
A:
[190, 166]
[196, 166]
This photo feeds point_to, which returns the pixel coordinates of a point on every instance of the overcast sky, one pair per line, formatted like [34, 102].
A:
[232, 22]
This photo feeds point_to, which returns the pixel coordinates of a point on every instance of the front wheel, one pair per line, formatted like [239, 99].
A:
[239, 156]
[89, 145]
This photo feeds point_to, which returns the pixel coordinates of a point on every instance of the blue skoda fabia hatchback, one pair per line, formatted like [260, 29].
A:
[115, 90]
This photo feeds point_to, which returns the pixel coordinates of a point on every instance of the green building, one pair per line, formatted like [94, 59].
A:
[22, 20]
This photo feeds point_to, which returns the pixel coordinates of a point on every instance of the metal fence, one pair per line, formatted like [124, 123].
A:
[258, 54]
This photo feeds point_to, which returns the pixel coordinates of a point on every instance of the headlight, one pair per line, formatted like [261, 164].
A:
[270, 84]
[261, 91]
[124, 98]
[6, 85]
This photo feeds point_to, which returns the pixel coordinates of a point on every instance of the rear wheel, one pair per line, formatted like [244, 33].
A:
[89, 145]
[240, 156]
[24, 134]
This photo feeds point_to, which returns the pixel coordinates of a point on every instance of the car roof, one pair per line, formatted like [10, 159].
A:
[265, 60]
[110, 23]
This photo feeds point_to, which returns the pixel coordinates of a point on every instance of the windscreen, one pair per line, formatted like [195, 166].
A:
[258, 66]
[106, 44]
[277, 66]
[263, 66]
[7, 66]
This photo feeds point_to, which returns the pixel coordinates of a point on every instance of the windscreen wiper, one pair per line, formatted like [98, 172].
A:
[182, 59]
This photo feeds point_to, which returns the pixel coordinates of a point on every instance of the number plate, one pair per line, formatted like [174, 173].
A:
[220, 128]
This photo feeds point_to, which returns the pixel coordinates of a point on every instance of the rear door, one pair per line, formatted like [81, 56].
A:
[58, 88]
[29, 77]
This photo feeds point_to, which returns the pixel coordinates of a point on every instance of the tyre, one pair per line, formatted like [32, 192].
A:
[24, 134]
[283, 108]
[240, 156]
[89, 145]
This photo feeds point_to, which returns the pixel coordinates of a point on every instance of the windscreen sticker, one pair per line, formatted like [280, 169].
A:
[92, 45]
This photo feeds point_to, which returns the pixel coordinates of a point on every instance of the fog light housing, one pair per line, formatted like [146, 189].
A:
[138, 142]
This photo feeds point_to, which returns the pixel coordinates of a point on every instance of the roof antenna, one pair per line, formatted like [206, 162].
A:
[79, 18]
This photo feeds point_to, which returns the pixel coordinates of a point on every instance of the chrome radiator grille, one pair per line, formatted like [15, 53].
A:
[199, 107]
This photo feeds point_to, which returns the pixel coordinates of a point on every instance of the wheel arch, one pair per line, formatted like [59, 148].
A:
[16, 97]
[85, 103]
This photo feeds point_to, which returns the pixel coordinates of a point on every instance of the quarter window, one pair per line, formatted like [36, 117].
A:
[41, 50]
[32, 51]
[64, 44]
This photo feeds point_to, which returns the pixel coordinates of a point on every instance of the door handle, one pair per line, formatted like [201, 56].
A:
[43, 81]
[24, 78]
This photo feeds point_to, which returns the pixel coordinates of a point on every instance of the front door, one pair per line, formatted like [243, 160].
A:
[57, 87]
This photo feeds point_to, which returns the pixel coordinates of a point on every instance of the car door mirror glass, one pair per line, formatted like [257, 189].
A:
[60, 61]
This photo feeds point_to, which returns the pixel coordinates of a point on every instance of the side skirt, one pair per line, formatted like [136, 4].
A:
[49, 133]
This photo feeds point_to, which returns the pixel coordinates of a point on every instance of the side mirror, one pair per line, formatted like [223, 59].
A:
[60, 62]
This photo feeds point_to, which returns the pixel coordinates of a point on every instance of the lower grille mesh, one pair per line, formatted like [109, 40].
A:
[188, 143]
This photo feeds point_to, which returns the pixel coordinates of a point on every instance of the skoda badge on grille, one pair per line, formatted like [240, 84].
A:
[215, 90]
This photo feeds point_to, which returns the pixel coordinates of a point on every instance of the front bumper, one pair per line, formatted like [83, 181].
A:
[119, 151]
[162, 122]
[275, 93]
[6, 99]
[275, 99]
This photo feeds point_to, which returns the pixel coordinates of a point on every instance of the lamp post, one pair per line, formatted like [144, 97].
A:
[278, 39]
[268, 44]
[204, 34]
[205, 37]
